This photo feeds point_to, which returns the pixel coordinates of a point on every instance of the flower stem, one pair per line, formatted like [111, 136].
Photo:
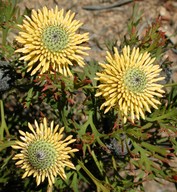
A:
[170, 85]
[101, 186]
[4, 36]
[50, 188]
[4, 39]
[3, 122]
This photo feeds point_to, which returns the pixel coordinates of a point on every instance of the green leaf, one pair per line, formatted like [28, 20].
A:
[155, 149]
[101, 186]
[29, 97]
[6, 144]
[74, 183]
[167, 115]
[98, 163]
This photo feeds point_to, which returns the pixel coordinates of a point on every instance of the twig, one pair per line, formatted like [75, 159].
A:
[98, 7]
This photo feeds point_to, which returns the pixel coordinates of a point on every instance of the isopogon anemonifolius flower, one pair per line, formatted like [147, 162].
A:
[129, 82]
[44, 152]
[50, 42]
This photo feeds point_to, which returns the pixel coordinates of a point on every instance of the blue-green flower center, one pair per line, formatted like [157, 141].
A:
[41, 154]
[55, 38]
[135, 80]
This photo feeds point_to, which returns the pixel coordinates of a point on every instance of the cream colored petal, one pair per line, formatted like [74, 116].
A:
[31, 172]
[43, 176]
[38, 179]
[31, 127]
[25, 174]
[16, 147]
[19, 162]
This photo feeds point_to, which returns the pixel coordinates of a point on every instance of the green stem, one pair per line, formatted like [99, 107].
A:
[101, 187]
[173, 113]
[170, 85]
[4, 39]
[5, 144]
[49, 188]
[3, 122]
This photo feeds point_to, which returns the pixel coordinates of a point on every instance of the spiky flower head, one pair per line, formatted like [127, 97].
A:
[129, 82]
[50, 41]
[44, 152]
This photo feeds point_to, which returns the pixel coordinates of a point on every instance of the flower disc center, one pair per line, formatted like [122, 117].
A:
[135, 80]
[41, 154]
[55, 38]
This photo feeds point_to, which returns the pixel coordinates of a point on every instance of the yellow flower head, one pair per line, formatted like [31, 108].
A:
[43, 153]
[129, 83]
[50, 41]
